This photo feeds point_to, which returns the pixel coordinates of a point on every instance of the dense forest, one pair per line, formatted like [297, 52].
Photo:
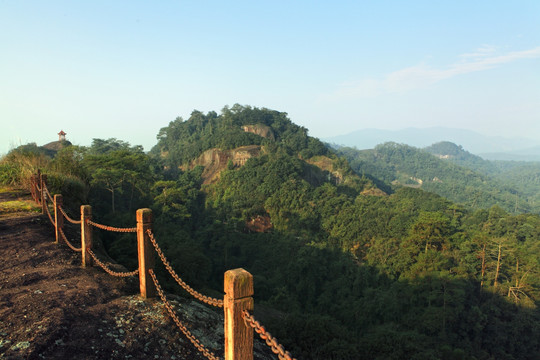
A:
[521, 176]
[450, 171]
[353, 257]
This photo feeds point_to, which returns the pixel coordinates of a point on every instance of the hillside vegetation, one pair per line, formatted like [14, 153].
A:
[523, 177]
[453, 173]
[348, 265]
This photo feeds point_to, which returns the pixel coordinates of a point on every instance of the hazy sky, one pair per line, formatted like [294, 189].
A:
[124, 69]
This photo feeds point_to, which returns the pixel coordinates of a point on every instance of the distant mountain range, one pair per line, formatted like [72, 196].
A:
[488, 147]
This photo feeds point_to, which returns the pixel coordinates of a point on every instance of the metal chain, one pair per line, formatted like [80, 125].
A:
[110, 228]
[67, 241]
[48, 193]
[178, 323]
[108, 270]
[67, 217]
[206, 299]
[49, 213]
[266, 336]
[197, 295]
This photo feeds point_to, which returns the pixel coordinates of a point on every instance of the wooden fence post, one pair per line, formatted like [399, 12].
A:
[33, 187]
[238, 287]
[146, 253]
[58, 217]
[86, 235]
[42, 195]
[38, 181]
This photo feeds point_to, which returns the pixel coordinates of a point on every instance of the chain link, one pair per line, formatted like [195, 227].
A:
[266, 336]
[111, 228]
[108, 270]
[67, 241]
[49, 213]
[178, 323]
[206, 299]
[48, 193]
[67, 217]
[276, 347]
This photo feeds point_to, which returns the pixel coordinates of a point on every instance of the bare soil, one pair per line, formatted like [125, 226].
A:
[52, 308]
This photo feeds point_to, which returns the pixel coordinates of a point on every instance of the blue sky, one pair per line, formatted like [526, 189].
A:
[124, 69]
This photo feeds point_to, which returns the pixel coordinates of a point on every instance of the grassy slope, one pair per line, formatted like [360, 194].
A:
[15, 202]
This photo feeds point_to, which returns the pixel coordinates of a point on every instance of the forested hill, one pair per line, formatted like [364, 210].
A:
[457, 154]
[241, 134]
[522, 177]
[342, 270]
[450, 171]
[183, 141]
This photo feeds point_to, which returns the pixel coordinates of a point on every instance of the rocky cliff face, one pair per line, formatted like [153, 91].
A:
[261, 130]
[216, 160]
[326, 165]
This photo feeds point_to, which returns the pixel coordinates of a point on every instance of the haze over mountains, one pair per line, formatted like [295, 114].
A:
[489, 147]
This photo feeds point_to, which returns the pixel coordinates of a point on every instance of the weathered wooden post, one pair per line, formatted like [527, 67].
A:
[35, 186]
[42, 195]
[86, 235]
[146, 253]
[58, 217]
[238, 287]
[38, 180]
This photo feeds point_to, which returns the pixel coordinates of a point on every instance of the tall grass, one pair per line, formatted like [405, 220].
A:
[17, 167]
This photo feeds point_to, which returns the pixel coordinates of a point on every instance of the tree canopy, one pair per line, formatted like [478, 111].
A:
[345, 271]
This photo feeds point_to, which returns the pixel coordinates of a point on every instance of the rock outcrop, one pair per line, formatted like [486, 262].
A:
[216, 160]
[54, 147]
[261, 130]
[327, 166]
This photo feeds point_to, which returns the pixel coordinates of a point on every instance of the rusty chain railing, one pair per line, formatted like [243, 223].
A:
[179, 323]
[112, 228]
[248, 319]
[46, 207]
[206, 299]
[67, 241]
[108, 270]
[271, 341]
[48, 193]
[49, 215]
[66, 216]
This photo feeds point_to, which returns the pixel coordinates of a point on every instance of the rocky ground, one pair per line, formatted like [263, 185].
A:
[52, 308]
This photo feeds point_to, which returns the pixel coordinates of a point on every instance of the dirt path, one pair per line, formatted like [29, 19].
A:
[51, 308]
